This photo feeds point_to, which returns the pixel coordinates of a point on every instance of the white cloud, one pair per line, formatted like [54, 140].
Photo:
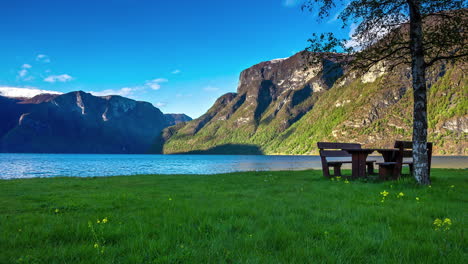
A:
[291, 3]
[58, 78]
[210, 89]
[353, 42]
[175, 71]
[160, 104]
[43, 58]
[373, 31]
[131, 91]
[19, 92]
[23, 73]
[126, 91]
[156, 83]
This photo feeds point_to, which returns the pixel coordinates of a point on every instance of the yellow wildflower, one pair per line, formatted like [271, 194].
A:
[452, 186]
[56, 210]
[417, 199]
[96, 245]
[400, 195]
[104, 220]
[98, 221]
[447, 221]
[384, 193]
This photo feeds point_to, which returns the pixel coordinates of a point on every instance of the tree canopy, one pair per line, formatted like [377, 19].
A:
[381, 29]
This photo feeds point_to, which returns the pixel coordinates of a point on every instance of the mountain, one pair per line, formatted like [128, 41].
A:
[78, 122]
[173, 119]
[283, 108]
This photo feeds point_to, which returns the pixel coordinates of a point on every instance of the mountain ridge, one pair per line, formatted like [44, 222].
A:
[284, 109]
[79, 122]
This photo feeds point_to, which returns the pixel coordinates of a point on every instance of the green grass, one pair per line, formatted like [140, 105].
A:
[251, 217]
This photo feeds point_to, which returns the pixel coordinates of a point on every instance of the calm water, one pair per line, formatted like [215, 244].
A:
[86, 165]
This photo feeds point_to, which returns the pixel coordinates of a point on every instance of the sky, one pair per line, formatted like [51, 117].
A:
[178, 55]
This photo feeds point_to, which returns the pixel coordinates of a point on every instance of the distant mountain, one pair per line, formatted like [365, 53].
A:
[173, 119]
[78, 122]
[283, 109]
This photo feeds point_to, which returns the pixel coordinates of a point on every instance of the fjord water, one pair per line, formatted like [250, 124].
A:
[89, 165]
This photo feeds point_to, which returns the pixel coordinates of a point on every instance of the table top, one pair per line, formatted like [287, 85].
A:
[370, 150]
[359, 150]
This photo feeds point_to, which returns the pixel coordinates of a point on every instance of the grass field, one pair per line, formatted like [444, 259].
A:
[251, 217]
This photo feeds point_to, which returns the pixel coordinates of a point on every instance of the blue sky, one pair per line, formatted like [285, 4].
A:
[178, 55]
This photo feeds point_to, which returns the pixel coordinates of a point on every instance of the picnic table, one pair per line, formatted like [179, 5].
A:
[359, 157]
[389, 169]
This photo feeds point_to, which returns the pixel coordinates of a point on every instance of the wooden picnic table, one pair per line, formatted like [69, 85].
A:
[359, 157]
[358, 161]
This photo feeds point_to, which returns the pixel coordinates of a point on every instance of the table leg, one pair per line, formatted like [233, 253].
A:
[362, 165]
[358, 163]
[355, 165]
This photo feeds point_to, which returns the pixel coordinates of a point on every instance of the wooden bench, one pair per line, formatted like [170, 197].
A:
[332, 150]
[405, 150]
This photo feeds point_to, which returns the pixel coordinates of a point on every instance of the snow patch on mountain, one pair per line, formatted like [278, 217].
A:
[278, 60]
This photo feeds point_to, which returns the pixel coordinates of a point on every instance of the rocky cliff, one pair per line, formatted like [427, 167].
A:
[79, 122]
[283, 107]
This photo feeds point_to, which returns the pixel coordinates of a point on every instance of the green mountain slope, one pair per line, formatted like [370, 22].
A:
[283, 109]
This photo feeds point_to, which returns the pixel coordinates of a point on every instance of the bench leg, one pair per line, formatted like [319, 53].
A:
[326, 171]
[396, 173]
[370, 168]
[411, 169]
[386, 172]
[337, 170]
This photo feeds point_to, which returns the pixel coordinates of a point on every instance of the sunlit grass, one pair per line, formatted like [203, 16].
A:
[248, 217]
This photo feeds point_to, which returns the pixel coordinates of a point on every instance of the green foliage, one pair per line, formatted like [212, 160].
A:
[248, 217]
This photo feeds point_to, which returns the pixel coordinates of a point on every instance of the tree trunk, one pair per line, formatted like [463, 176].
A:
[418, 70]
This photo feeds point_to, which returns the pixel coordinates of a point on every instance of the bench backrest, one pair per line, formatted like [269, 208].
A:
[336, 145]
[328, 149]
[406, 148]
[406, 151]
